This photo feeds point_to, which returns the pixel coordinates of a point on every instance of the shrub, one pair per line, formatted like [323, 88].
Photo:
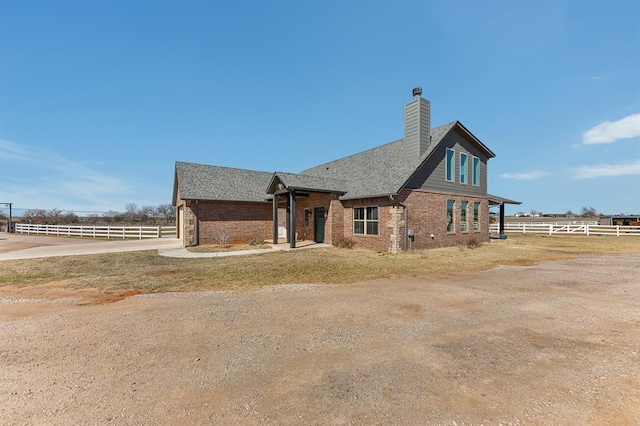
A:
[256, 241]
[223, 240]
[474, 243]
[344, 242]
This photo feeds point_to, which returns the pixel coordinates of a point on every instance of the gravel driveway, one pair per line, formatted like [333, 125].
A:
[554, 343]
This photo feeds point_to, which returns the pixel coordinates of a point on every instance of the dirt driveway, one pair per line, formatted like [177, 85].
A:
[555, 343]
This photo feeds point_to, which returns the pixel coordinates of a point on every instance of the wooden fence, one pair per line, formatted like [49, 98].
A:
[121, 232]
[567, 229]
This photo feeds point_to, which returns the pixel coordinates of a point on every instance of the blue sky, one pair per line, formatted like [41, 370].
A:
[99, 99]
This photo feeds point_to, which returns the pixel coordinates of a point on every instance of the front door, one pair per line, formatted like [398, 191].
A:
[318, 224]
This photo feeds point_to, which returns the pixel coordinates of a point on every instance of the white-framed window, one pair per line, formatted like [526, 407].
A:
[476, 216]
[451, 227]
[307, 217]
[464, 225]
[365, 220]
[450, 165]
[475, 179]
[463, 167]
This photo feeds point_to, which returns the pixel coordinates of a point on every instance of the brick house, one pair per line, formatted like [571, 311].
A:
[426, 190]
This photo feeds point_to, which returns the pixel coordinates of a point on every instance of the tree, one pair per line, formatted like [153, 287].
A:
[35, 216]
[70, 218]
[167, 212]
[150, 213]
[569, 213]
[588, 211]
[131, 212]
[54, 216]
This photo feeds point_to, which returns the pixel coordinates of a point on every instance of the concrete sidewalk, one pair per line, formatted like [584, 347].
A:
[184, 253]
[15, 247]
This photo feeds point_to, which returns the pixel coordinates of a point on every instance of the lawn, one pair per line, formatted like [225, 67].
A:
[148, 272]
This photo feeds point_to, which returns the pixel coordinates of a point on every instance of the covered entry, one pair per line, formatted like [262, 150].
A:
[290, 188]
[494, 200]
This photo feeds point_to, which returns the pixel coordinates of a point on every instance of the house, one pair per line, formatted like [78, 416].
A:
[428, 189]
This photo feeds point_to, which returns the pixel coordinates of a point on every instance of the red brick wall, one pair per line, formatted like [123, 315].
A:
[240, 222]
[380, 242]
[427, 214]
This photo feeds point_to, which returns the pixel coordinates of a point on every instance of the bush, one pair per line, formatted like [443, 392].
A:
[345, 242]
[474, 243]
[256, 241]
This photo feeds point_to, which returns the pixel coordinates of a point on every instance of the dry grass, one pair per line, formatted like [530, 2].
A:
[149, 272]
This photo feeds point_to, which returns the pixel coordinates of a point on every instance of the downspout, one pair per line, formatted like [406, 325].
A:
[406, 219]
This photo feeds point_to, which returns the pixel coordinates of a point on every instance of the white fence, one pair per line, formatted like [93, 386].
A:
[123, 232]
[574, 228]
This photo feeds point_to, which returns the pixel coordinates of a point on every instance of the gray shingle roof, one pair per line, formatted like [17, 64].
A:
[203, 182]
[379, 171]
[376, 172]
[307, 182]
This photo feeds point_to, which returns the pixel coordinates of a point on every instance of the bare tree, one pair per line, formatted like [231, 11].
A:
[35, 216]
[54, 216]
[149, 213]
[131, 212]
[167, 212]
[70, 218]
[588, 211]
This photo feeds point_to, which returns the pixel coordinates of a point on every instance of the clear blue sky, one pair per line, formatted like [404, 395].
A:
[98, 99]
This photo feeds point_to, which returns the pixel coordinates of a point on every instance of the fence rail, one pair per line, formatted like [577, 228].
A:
[121, 232]
[570, 229]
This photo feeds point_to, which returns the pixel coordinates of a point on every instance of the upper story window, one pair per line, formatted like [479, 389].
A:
[450, 165]
[476, 172]
[365, 220]
[463, 167]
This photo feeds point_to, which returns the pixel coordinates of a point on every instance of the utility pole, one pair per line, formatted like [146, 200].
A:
[10, 225]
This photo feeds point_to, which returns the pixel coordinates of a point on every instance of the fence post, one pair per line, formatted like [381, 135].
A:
[586, 230]
[159, 232]
[617, 230]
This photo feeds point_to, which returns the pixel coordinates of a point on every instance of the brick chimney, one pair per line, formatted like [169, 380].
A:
[417, 126]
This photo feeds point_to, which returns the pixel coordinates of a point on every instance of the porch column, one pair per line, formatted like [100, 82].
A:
[292, 219]
[501, 219]
[275, 219]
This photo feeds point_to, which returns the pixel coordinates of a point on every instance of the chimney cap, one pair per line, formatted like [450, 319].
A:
[417, 91]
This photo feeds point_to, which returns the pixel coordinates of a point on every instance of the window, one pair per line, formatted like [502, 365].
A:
[464, 226]
[476, 216]
[451, 164]
[307, 217]
[476, 172]
[450, 225]
[365, 220]
[463, 167]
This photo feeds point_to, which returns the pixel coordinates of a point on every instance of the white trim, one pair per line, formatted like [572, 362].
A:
[365, 220]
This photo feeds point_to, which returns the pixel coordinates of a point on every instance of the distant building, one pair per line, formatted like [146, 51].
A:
[622, 220]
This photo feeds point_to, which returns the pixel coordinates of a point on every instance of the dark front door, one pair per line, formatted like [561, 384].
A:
[318, 222]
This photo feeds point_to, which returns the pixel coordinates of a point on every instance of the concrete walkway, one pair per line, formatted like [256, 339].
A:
[180, 251]
[16, 246]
